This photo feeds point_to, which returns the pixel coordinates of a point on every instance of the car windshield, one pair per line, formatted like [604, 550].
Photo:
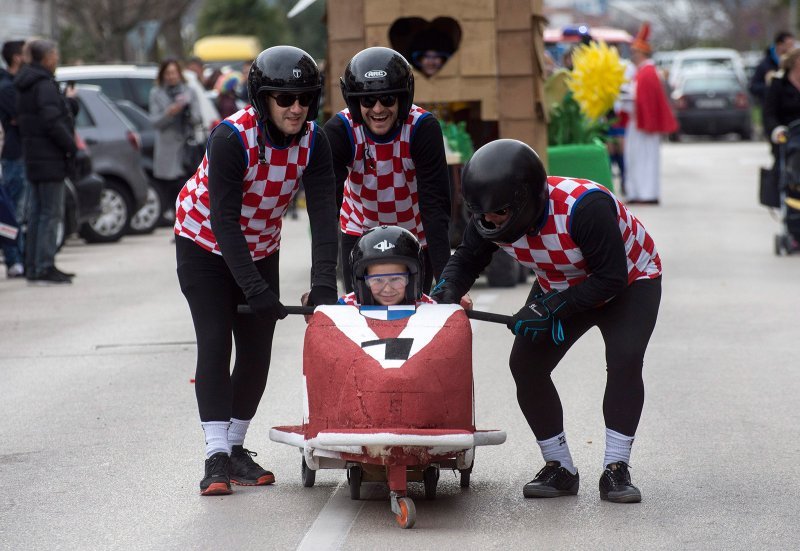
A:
[724, 84]
[707, 62]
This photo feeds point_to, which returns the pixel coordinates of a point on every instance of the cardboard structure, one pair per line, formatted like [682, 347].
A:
[497, 65]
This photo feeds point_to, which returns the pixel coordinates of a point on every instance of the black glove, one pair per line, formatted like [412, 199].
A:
[267, 306]
[320, 294]
[540, 317]
[443, 294]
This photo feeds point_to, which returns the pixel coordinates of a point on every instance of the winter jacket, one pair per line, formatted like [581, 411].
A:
[12, 149]
[46, 125]
[758, 83]
[172, 130]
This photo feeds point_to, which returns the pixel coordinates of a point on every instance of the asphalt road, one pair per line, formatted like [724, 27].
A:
[101, 448]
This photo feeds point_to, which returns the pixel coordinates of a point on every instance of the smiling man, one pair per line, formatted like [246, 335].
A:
[388, 156]
[228, 226]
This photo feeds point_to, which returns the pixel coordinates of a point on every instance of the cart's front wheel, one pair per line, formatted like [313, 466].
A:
[354, 477]
[778, 245]
[408, 512]
[465, 474]
[309, 476]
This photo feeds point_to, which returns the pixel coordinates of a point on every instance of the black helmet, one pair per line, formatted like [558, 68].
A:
[284, 69]
[387, 244]
[505, 174]
[377, 71]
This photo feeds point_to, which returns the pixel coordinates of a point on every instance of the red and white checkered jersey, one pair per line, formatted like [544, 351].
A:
[268, 188]
[350, 300]
[555, 258]
[381, 187]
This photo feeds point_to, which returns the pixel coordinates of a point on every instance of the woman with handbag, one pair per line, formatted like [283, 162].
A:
[175, 113]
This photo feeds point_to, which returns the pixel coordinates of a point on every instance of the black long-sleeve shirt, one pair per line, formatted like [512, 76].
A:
[596, 232]
[433, 180]
[225, 190]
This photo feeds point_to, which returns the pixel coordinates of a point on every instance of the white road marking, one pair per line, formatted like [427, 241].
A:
[331, 527]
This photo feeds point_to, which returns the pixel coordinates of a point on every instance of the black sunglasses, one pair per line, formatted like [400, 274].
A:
[370, 101]
[287, 100]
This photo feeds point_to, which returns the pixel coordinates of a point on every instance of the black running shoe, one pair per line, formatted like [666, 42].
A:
[65, 274]
[552, 481]
[616, 486]
[50, 277]
[218, 478]
[245, 471]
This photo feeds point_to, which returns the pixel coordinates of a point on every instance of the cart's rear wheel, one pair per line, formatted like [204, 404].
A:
[408, 512]
[430, 477]
[354, 476]
[308, 475]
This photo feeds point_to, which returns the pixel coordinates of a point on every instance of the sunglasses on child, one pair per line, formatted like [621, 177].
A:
[379, 281]
[287, 100]
[369, 101]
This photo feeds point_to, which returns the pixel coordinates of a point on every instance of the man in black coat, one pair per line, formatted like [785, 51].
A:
[784, 41]
[48, 143]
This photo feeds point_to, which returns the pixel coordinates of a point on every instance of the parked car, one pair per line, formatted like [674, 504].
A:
[713, 102]
[719, 58]
[84, 193]
[133, 83]
[114, 146]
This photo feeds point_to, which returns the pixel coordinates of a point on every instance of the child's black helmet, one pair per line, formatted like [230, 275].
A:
[387, 244]
[505, 174]
[378, 71]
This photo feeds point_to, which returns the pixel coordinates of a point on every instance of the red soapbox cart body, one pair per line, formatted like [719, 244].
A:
[388, 399]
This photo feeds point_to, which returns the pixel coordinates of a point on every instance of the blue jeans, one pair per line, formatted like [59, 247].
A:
[47, 210]
[16, 188]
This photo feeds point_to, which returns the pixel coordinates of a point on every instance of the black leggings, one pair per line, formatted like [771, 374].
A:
[626, 324]
[347, 244]
[213, 296]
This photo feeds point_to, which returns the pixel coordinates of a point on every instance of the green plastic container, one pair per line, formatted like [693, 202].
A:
[588, 161]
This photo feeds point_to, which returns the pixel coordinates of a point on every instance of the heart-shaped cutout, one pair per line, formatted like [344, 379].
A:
[427, 45]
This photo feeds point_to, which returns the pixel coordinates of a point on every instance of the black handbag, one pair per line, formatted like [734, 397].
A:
[192, 155]
[768, 194]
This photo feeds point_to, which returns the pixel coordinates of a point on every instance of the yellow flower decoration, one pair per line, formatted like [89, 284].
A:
[596, 78]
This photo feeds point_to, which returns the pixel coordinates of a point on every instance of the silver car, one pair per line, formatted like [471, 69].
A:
[114, 145]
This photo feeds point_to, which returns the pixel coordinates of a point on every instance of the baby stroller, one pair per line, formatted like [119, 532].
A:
[788, 196]
[388, 397]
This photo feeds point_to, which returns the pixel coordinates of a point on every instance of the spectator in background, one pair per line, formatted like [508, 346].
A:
[782, 100]
[175, 113]
[196, 65]
[766, 69]
[649, 117]
[13, 180]
[46, 126]
[226, 87]
[243, 92]
[430, 51]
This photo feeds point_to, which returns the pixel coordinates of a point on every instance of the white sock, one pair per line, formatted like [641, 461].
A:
[557, 449]
[618, 447]
[216, 437]
[237, 431]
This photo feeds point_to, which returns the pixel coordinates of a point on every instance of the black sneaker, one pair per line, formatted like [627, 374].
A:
[51, 277]
[218, 478]
[65, 274]
[552, 481]
[616, 486]
[245, 471]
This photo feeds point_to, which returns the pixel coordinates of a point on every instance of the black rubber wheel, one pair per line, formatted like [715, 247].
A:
[430, 477]
[354, 476]
[309, 476]
[778, 245]
[465, 474]
[115, 219]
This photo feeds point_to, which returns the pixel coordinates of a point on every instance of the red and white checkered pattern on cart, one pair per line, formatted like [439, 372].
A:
[268, 189]
[381, 187]
[555, 258]
[350, 300]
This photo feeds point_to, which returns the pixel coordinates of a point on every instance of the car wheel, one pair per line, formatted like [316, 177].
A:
[146, 218]
[503, 270]
[746, 134]
[115, 217]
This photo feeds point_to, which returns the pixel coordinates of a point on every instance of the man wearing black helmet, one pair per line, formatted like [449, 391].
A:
[596, 265]
[228, 225]
[388, 155]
